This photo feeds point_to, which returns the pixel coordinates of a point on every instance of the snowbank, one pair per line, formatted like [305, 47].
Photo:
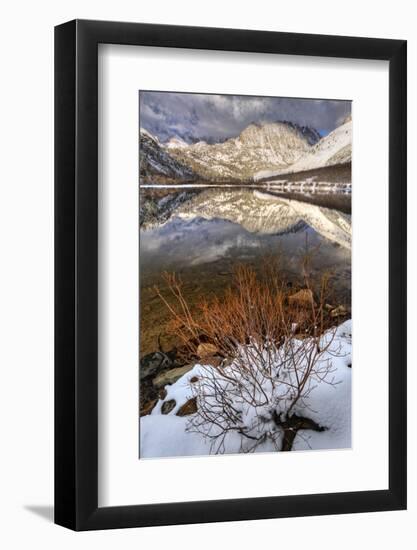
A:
[328, 404]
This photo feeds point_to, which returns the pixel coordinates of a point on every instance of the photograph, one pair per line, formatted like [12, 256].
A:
[245, 274]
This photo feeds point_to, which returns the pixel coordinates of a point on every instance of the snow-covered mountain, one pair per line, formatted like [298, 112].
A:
[259, 147]
[155, 160]
[260, 151]
[335, 148]
[175, 143]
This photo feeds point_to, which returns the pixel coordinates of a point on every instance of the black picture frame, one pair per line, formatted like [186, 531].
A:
[76, 272]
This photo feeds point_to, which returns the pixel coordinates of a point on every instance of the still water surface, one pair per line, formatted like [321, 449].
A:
[201, 234]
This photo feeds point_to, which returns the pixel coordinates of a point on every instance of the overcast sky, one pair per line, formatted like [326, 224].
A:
[217, 117]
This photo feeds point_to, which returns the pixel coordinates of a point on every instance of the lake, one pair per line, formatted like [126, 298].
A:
[202, 233]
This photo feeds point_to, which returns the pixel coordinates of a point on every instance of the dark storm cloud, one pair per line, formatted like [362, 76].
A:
[196, 117]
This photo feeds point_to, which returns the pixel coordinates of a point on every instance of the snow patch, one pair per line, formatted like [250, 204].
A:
[328, 404]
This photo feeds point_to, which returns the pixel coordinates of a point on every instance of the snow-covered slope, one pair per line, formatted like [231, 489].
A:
[335, 148]
[155, 160]
[175, 143]
[259, 147]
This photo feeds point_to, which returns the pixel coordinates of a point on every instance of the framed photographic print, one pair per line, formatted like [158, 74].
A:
[230, 275]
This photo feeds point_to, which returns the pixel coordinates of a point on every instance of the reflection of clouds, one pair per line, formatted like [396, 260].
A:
[246, 241]
[208, 235]
[182, 243]
[234, 243]
[213, 253]
[196, 241]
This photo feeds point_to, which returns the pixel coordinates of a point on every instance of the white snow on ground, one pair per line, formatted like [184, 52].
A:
[328, 404]
[331, 405]
[165, 436]
[181, 391]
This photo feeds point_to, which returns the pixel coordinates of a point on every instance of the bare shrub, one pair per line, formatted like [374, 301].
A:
[274, 350]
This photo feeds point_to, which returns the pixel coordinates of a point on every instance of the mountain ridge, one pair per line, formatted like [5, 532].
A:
[260, 151]
[335, 148]
[156, 162]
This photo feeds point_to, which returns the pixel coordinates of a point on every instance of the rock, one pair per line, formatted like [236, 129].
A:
[147, 392]
[194, 379]
[339, 311]
[303, 297]
[148, 407]
[153, 362]
[170, 376]
[190, 407]
[162, 393]
[206, 350]
[167, 406]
